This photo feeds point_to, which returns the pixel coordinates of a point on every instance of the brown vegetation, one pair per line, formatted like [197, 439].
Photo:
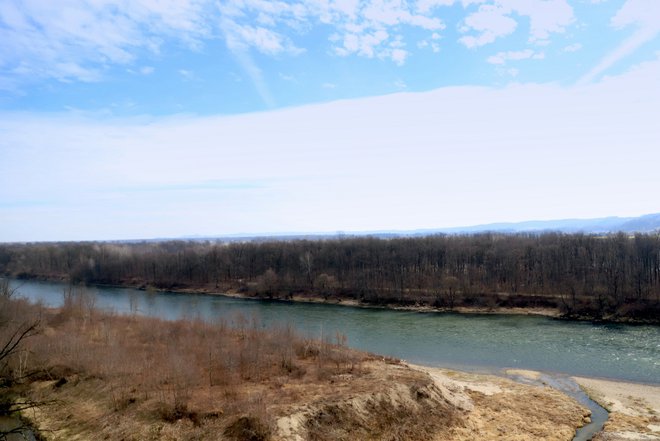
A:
[128, 377]
[600, 277]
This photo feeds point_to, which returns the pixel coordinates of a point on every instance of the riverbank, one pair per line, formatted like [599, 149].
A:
[348, 301]
[381, 392]
[634, 409]
[546, 312]
[308, 298]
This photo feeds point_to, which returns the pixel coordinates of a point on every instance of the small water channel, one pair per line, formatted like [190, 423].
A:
[567, 385]
[492, 343]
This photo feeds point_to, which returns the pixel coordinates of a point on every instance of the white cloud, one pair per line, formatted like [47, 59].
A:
[491, 22]
[503, 57]
[371, 45]
[242, 37]
[365, 44]
[573, 47]
[644, 15]
[425, 6]
[545, 16]
[399, 56]
[187, 75]
[363, 28]
[507, 71]
[366, 31]
[494, 19]
[348, 165]
[80, 40]
[147, 70]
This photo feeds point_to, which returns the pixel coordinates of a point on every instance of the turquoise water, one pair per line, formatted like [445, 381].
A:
[472, 342]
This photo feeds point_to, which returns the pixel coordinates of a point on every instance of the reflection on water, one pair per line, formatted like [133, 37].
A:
[621, 352]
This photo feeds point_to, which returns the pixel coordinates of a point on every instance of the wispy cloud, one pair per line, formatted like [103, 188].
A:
[644, 15]
[502, 57]
[187, 74]
[255, 74]
[75, 40]
[243, 37]
[573, 47]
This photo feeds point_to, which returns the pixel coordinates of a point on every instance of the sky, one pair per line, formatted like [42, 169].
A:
[181, 118]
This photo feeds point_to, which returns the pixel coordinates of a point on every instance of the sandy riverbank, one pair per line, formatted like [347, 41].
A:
[634, 409]
[547, 312]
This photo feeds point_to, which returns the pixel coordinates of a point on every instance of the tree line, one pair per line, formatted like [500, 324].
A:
[583, 275]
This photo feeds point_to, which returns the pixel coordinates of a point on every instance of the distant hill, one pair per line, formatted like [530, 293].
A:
[643, 224]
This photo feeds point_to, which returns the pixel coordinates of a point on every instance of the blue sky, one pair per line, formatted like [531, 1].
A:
[145, 118]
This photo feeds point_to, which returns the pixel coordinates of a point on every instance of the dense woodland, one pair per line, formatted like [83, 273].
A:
[613, 277]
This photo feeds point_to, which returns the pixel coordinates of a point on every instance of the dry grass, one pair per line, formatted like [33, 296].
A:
[129, 377]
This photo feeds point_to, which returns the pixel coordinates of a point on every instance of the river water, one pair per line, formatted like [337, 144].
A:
[468, 342]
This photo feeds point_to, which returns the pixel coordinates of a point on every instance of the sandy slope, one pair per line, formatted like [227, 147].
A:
[498, 408]
[485, 407]
[385, 401]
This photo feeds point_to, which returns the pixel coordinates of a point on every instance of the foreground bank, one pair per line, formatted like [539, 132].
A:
[92, 374]
[89, 374]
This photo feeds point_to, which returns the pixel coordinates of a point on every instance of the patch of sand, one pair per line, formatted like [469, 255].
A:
[634, 409]
[530, 375]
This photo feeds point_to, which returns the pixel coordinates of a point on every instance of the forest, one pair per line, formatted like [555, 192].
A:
[613, 277]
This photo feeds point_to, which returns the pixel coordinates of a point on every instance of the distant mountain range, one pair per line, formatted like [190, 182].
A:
[648, 223]
[643, 224]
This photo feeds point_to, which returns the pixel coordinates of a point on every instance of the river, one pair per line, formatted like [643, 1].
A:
[468, 342]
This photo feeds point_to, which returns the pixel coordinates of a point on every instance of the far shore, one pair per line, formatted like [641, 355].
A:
[335, 300]
[331, 300]
[547, 312]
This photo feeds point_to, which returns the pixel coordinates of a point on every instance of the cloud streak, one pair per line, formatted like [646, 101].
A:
[644, 15]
